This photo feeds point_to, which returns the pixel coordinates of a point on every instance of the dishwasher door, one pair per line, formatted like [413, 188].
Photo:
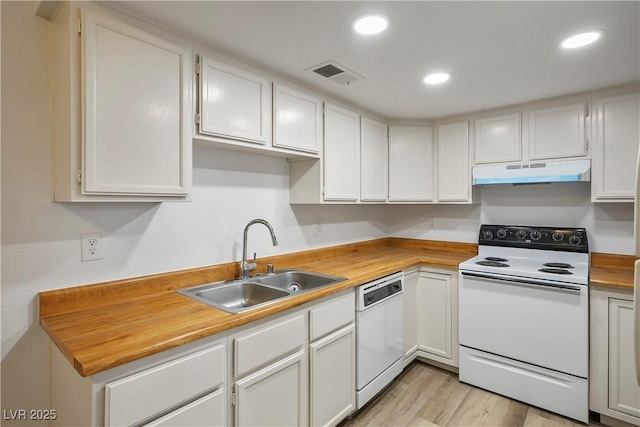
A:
[379, 338]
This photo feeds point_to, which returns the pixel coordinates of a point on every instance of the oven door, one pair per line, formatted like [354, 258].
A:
[534, 321]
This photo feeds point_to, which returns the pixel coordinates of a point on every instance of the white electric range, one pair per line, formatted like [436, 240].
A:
[524, 316]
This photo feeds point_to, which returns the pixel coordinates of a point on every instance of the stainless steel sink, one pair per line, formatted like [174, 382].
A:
[235, 297]
[297, 280]
[241, 295]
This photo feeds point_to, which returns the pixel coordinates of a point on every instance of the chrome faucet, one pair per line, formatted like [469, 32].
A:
[246, 267]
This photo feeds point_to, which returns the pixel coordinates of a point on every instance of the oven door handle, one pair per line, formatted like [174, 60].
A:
[524, 281]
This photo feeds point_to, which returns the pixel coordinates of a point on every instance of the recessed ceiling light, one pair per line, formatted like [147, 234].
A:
[436, 78]
[370, 24]
[580, 40]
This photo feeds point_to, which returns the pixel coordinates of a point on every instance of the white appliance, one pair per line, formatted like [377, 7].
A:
[524, 316]
[530, 173]
[379, 335]
[636, 282]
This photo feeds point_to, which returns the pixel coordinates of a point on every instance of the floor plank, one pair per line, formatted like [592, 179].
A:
[426, 396]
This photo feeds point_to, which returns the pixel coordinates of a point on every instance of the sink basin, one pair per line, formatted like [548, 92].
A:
[235, 297]
[241, 295]
[297, 280]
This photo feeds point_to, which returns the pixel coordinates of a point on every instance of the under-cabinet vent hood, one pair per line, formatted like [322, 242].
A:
[534, 173]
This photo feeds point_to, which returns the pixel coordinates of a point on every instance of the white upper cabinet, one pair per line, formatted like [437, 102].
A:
[453, 179]
[121, 109]
[297, 120]
[233, 103]
[411, 164]
[374, 164]
[615, 148]
[341, 154]
[557, 132]
[497, 139]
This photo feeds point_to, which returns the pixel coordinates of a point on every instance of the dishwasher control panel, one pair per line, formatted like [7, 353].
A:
[374, 292]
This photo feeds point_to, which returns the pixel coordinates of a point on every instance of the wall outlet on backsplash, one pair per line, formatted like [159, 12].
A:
[91, 246]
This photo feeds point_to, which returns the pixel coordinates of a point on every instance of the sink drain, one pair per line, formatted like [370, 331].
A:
[294, 286]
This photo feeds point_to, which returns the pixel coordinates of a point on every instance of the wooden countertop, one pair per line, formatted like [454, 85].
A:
[101, 326]
[612, 271]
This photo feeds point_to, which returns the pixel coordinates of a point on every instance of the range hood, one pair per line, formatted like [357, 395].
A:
[534, 173]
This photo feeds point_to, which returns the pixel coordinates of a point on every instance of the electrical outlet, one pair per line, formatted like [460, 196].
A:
[317, 230]
[91, 246]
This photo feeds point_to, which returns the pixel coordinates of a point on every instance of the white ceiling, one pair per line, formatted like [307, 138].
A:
[498, 53]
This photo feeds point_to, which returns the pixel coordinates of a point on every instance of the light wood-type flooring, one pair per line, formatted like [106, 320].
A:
[424, 395]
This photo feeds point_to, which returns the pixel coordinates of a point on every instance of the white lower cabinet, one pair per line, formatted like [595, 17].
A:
[273, 396]
[295, 368]
[185, 386]
[208, 410]
[332, 360]
[438, 315]
[410, 315]
[332, 387]
[614, 391]
[147, 396]
[269, 371]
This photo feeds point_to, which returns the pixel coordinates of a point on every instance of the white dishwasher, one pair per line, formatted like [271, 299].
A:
[379, 335]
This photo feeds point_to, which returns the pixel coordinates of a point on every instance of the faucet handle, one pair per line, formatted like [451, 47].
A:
[269, 268]
[254, 257]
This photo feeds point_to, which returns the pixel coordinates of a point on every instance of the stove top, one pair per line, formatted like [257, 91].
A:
[546, 253]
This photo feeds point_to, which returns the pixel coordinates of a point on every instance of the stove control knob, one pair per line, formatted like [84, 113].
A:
[502, 233]
[557, 237]
[521, 234]
[535, 235]
[488, 235]
[575, 240]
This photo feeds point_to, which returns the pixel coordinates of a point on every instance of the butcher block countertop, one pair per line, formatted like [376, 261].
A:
[101, 326]
[612, 271]
[98, 327]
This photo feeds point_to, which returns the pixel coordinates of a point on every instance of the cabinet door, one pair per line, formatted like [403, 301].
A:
[374, 150]
[557, 132]
[297, 120]
[341, 154]
[136, 90]
[497, 139]
[273, 396]
[206, 411]
[233, 103]
[333, 377]
[615, 150]
[411, 164]
[624, 392]
[410, 316]
[453, 181]
[437, 317]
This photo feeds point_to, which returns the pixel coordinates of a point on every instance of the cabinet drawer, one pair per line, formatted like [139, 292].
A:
[206, 411]
[267, 343]
[331, 316]
[147, 393]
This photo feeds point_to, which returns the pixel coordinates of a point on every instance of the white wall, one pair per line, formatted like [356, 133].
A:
[609, 225]
[41, 239]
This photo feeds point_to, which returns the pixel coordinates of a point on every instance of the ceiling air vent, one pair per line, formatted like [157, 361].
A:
[336, 72]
